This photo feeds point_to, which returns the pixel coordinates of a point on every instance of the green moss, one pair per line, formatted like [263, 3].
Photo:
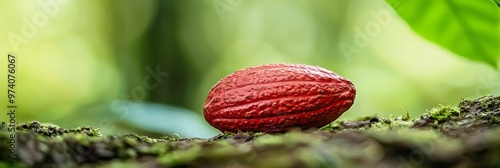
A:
[444, 113]
[168, 138]
[334, 126]
[54, 130]
[404, 118]
[143, 139]
[180, 157]
[368, 123]
[488, 107]
[482, 104]
[494, 119]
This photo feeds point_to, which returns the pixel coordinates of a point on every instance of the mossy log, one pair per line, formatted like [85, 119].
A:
[462, 135]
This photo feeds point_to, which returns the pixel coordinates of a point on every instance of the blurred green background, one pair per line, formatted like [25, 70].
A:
[146, 66]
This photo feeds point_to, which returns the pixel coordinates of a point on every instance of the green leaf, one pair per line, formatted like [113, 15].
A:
[497, 2]
[469, 28]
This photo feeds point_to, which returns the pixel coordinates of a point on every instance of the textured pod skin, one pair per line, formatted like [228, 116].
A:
[276, 97]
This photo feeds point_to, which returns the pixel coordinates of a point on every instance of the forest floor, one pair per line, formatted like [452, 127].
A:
[461, 135]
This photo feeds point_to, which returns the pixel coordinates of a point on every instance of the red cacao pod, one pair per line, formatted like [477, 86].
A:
[276, 97]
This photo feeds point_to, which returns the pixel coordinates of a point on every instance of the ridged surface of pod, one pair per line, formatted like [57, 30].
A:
[274, 98]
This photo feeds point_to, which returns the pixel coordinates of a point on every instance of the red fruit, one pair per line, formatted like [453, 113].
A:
[276, 97]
